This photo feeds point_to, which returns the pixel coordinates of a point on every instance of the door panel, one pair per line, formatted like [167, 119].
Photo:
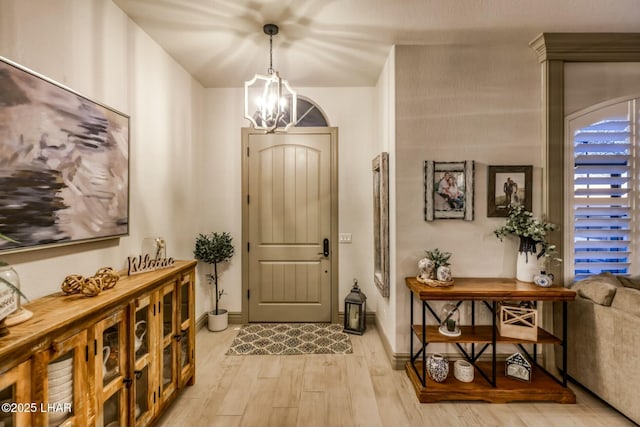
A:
[290, 282]
[289, 187]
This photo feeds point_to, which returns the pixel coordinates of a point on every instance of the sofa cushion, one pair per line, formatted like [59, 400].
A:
[630, 282]
[605, 277]
[599, 292]
[627, 300]
[599, 288]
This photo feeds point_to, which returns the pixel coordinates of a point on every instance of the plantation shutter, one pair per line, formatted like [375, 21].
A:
[603, 190]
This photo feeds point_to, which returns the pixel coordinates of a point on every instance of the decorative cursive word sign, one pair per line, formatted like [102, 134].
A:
[144, 263]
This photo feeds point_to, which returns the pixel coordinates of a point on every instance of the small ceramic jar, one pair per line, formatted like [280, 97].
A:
[444, 273]
[544, 280]
[437, 367]
[463, 371]
[426, 267]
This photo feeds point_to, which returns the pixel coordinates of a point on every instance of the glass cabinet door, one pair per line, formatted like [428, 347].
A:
[168, 375]
[66, 389]
[186, 338]
[110, 370]
[144, 395]
[15, 386]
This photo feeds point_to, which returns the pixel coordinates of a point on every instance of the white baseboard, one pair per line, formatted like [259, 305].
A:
[371, 318]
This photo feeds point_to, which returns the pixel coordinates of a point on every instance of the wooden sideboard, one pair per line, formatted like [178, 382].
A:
[116, 359]
[490, 383]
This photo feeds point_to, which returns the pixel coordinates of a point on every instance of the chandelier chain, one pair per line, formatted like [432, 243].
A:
[274, 100]
[270, 70]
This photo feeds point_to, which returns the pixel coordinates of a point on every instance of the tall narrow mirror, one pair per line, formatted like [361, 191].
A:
[380, 168]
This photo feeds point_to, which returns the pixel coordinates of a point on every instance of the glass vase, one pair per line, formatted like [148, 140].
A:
[450, 320]
[10, 276]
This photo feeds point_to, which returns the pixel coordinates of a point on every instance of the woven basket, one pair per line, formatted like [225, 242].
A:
[434, 283]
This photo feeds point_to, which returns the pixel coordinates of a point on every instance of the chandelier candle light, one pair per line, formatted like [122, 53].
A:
[266, 97]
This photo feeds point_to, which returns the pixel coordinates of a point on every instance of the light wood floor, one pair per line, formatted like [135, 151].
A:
[358, 389]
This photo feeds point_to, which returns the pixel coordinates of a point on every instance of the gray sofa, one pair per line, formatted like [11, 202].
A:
[604, 340]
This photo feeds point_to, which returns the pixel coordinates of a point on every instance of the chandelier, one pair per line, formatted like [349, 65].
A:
[269, 101]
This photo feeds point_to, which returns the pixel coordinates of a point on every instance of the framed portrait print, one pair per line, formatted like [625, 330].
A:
[64, 164]
[448, 190]
[508, 186]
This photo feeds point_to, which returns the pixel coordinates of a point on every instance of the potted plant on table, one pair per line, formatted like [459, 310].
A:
[434, 268]
[534, 250]
[214, 249]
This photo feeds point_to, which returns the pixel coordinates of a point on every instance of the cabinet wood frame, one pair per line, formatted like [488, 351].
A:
[99, 392]
[63, 323]
[18, 379]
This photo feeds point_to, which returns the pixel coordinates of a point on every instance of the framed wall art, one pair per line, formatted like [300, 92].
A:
[508, 186]
[380, 168]
[448, 190]
[64, 164]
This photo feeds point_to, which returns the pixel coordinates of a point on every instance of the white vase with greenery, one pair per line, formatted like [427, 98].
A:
[534, 250]
[214, 249]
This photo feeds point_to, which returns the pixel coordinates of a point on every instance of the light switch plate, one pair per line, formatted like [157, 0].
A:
[345, 237]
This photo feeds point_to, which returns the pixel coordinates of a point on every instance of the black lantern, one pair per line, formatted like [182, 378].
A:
[355, 310]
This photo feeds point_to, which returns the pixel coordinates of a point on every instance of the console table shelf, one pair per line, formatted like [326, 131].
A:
[541, 388]
[490, 384]
[480, 334]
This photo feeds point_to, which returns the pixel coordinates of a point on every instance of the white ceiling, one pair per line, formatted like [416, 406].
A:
[346, 42]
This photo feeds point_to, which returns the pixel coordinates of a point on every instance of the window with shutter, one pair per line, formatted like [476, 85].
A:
[602, 210]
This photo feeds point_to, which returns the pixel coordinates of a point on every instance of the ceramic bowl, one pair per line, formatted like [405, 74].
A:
[60, 390]
[65, 365]
[55, 418]
[57, 380]
[62, 397]
[61, 373]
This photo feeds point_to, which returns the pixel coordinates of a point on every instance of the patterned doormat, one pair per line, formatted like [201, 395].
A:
[291, 338]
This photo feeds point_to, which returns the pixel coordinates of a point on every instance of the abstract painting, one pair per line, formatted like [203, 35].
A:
[64, 164]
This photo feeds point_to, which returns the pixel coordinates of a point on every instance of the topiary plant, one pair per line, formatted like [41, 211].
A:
[213, 249]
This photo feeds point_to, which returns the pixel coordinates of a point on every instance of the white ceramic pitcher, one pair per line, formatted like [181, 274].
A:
[139, 338]
[106, 352]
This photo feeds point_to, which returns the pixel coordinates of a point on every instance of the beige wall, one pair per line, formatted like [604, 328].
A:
[93, 47]
[590, 83]
[386, 141]
[461, 102]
